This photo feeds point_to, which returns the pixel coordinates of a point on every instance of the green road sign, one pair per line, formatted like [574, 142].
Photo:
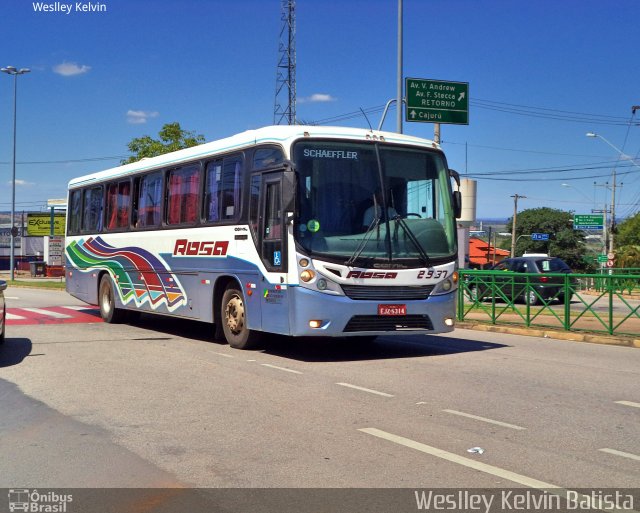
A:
[588, 221]
[602, 259]
[436, 101]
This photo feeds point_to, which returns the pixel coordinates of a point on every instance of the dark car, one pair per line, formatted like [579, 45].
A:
[3, 310]
[543, 280]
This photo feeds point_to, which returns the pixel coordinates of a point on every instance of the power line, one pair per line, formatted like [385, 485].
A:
[553, 169]
[537, 179]
[517, 150]
[604, 116]
[553, 114]
[68, 161]
[510, 108]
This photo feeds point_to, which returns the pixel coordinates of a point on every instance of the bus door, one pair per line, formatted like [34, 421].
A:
[276, 200]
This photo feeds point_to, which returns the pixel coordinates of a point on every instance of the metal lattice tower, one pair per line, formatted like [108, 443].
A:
[285, 103]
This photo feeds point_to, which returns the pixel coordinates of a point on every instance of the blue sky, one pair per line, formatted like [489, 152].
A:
[541, 75]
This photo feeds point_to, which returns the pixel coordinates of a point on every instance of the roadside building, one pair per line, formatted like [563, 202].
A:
[483, 255]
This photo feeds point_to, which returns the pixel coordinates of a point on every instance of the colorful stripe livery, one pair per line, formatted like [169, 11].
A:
[139, 276]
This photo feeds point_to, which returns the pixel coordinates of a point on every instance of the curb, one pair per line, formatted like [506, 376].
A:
[615, 340]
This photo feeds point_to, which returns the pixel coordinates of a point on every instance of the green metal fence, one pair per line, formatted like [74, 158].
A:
[598, 303]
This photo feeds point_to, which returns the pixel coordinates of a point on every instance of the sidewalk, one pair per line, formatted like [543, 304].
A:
[556, 334]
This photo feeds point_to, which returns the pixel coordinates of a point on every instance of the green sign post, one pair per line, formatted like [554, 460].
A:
[437, 101]
[588, 221]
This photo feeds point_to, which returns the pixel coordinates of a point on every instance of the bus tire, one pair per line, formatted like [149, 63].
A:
[3, 334]
[107, 302]
[233, 319]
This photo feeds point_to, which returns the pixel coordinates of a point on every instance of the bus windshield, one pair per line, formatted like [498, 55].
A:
[374, 204]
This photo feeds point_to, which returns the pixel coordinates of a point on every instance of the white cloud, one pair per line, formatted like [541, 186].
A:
[139, 117]
[317, 98]
[20, 183]
[70, 69]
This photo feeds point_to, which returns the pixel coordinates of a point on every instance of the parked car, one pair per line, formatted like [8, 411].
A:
[3, 310]
[528, 289]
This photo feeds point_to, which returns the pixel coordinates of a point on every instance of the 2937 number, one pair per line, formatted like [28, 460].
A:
[431, 273]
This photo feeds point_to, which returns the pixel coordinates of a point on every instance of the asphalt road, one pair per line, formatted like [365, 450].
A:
[159, 404]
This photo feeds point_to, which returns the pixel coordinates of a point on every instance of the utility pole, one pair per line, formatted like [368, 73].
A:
[399, 108]
[285, 101]
[513, 228]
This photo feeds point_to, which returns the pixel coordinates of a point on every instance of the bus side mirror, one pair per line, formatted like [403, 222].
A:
[288, 190]
[457, 204]
[455, 175]
[457, 197]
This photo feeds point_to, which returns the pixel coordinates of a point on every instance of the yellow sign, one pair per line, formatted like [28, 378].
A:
[39, 225]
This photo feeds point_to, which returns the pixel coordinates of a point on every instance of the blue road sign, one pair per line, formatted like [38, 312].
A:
[539, 236]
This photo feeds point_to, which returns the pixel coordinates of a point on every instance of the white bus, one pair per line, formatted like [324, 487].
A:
[293, 230]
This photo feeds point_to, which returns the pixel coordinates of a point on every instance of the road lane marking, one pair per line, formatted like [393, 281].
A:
[224, 354]
[484, 419]
[79, 308]
[460, 460]
[621, 453]
[47, 313]
[280, 368]
[14, 317]
[629, 403]
[362, 389]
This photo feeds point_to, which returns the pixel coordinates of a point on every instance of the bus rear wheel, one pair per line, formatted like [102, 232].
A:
[107, 302]
[233, 319]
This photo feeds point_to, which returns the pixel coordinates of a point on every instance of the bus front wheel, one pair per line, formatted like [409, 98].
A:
[107, 302]
[233, 319]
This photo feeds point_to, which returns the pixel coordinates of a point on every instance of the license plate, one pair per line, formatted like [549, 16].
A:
[392, 309]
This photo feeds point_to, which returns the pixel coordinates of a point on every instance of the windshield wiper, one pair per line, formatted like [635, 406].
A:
[363, 242]
[423, 254]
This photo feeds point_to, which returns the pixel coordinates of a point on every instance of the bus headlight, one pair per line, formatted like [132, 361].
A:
[445, 286]
[322, 284]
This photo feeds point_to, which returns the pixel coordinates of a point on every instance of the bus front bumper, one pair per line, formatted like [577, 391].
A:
[317, 314]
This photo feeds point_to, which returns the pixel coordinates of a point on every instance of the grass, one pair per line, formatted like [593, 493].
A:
[49, 284]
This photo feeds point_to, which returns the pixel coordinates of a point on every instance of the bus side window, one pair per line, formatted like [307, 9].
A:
[212, 185]
[149, 200]
[267, 157]
[223, 184]
[117, 204]
[75, 212]
[254, 203]
[182, 195]
[231, 186]
[273, 224]
[92, 211]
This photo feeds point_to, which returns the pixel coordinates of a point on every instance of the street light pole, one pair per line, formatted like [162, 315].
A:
[11, 70]
[613, 188]
[513, 228]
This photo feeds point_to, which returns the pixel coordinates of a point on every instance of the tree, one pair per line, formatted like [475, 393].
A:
[628, 232]
[564, 242]
[172, 138]
[628, 256]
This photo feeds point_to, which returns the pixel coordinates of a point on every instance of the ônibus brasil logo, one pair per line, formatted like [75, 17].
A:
[22, 499]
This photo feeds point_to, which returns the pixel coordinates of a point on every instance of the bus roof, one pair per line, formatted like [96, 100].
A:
[279, 134]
